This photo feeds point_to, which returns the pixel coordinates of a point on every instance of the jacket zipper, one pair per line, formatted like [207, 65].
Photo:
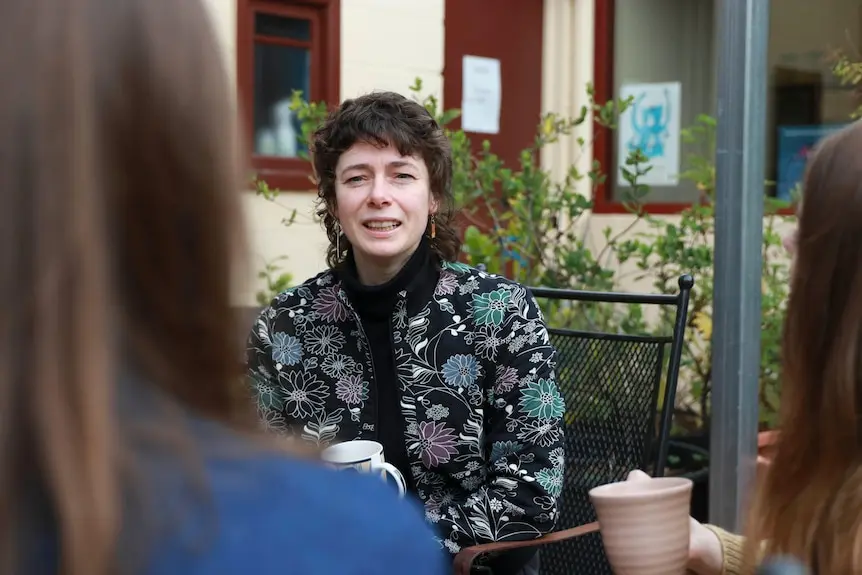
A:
[373, 375]
[408, 479]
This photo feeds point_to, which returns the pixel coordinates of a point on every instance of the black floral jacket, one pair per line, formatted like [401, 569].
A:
[482, 412]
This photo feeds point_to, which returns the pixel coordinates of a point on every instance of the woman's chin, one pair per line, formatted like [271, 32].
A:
[382, 252]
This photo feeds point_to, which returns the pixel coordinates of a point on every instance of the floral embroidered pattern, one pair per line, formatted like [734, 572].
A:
[552, 480]
[351, 390]
[338, 366]
[461, 370]
[286, 349]
[542, 400]
[437, 412]
[303, 394]
[436, 443]
[447, 285]
[482, 412]
[507, 379]
[324, 340]
[490, 308]
[329, 307]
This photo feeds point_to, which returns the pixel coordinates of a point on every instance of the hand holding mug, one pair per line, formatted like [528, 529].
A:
[704, 552]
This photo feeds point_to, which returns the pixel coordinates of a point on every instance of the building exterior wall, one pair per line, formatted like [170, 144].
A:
[382, 48]
[568, 68]
[386, 44]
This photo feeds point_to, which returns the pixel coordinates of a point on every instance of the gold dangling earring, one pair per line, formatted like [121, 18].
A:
[337, 239]
[433, 227]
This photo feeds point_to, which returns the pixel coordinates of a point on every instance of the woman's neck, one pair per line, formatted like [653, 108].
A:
[372, 272]
[374, 298]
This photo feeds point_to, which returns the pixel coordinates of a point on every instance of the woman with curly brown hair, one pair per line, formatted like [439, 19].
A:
[448, 367]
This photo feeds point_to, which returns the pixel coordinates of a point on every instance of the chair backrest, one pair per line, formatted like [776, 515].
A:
[612, 384]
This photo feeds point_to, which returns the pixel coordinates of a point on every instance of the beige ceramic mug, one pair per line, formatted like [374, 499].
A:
[645, 525]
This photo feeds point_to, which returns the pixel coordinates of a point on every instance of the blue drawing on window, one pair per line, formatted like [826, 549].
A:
[649, 124]
[795, 144]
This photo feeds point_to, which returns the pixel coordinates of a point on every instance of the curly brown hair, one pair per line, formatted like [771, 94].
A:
[385, 119]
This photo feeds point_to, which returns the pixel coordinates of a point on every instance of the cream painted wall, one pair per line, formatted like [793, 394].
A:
[385, 45]
[567, 68]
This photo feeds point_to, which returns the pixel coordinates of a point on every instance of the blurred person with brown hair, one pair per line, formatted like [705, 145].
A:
[127, 444]
[808, 503]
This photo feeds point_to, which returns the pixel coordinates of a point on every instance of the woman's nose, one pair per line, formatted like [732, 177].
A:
[379, 191]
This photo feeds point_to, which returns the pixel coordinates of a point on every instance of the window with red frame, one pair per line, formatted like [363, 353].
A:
[655, 41]
[284, 46]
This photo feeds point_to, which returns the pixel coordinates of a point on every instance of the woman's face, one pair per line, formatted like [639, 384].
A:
[383, 202]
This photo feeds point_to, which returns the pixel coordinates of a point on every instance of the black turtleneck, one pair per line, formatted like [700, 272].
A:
[375, 306]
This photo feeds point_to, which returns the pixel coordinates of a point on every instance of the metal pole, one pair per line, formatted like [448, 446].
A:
[743, 38]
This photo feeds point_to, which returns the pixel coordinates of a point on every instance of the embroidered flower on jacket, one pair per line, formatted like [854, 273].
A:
[542, 400]
[487, 342]
[328, 305]
[286, 349]
[323, 340]
[501, 449]
[545, 432]
[304, 393]
[447, 284]
[437, 412]
[272, 420]
[461, 370]
[507, 379]
[490, 308]
[268, 395]
[557, 457]
[436, 443]
[551, 479]
[351, 389]
[338, 366]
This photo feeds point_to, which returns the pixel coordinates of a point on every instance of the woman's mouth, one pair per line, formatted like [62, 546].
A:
[381, 225]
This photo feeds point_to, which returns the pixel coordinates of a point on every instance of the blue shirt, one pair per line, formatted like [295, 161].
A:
[280, 516]
[229, 506]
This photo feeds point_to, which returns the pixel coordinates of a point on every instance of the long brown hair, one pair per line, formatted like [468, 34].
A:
[118, 185]
[809, 504]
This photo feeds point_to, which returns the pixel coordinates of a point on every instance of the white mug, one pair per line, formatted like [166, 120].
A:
[364, 456]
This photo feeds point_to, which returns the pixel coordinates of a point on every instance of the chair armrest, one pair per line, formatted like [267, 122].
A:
[464, 559]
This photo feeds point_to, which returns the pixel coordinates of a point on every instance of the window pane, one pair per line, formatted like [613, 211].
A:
[272, 25]
[278, 71]
[660, 41]
[805, 100]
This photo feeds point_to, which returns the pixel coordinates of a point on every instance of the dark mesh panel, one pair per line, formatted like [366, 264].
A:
[611, 384]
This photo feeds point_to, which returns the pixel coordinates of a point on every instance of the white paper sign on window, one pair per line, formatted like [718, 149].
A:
[481, 95]
[651, 124]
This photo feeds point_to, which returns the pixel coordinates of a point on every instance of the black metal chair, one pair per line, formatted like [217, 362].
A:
[612, 383]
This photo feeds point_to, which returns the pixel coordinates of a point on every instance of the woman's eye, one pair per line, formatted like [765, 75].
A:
[405, 176]
[353, 180]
